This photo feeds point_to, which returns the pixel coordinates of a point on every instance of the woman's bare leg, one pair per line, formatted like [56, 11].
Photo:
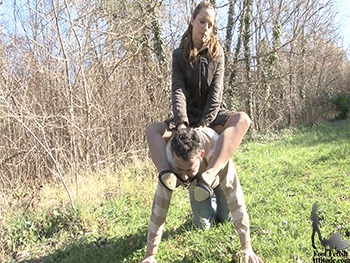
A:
[231, 135]
[157, 135]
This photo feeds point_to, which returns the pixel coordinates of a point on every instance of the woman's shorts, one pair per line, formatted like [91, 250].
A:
[220, 119]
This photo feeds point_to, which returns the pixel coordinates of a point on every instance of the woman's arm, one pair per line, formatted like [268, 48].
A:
[178, 90]
[215, 92]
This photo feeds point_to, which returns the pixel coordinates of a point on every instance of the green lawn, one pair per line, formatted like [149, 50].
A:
[282, 175]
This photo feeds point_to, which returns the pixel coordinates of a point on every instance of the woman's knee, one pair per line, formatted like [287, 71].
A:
[241, 119]
[245, 119]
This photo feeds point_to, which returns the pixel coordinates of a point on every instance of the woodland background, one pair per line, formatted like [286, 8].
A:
[80, 80]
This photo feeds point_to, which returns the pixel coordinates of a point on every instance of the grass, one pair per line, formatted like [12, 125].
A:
[282, 175]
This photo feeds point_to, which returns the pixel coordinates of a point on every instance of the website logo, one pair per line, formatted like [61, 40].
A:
[333, 249]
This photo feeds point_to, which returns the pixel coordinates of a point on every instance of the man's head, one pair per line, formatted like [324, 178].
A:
[187, 152]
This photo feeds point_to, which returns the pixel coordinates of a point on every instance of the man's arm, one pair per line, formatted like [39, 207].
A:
[160, 206]
[234, 195]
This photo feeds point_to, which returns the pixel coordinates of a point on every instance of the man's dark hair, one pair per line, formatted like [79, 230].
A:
[185, 143]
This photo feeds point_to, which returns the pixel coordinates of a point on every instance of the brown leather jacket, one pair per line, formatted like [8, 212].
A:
[197, 92]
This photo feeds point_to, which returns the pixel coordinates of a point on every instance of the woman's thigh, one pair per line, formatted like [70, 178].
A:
[160, 128]
[232, 121]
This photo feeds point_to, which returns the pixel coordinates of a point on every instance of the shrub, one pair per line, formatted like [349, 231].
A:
[342, 102]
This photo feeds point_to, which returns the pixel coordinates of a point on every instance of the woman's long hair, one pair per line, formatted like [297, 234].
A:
[190, 52]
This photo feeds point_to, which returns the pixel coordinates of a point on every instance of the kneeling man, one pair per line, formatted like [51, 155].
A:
[221, 199]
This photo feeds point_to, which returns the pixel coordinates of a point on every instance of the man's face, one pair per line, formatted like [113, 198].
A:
[188, 169]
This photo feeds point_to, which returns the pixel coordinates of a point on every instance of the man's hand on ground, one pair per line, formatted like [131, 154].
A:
[250, 256]
[150, 259]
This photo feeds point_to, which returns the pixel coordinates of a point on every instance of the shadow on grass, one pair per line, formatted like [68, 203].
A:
[126, 249]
